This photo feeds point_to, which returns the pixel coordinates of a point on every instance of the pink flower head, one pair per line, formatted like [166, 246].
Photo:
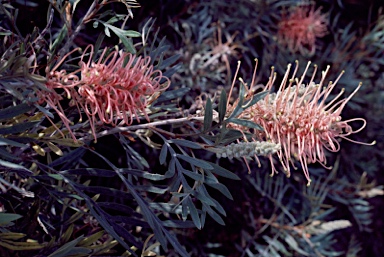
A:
[300, 29]
[302, 119]
[117, 87]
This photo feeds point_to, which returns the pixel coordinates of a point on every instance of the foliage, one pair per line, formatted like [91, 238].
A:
[123, 134]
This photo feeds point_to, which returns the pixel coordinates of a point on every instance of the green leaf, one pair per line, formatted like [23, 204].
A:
[14, 111]
[229, 135]
[54, 149]
[167, 62]
[20, 246]
[221, 188]
[106, 191]
[196, 162]
[222, 105]
[277, 245]
[98, 43]
[171, 168]
[67, 234]
[59, 38]
[218, 170]
[14, 166]
[246, 123]
[5, 141]
[194, 176]
[73, 218]
[219, 208]
[178, 223]
[123, 208]
[203, 216]
[213, 214]
[203, 197]
[163, 154]
[152, 189]
[166, 207]
[172, 70]
[5, 155]
[71, 157]
[6, 218]
[56, 176]
[185, 143]
[174, 94]
[91, 239]
[203, 191]
[157, 52]
[255, 99]
[106, 31]
[74, 4]
[66, 142]
[294, 245]
[239, 109]
[184, 210]
[208, 115]
[18, 128]
[70, 249]
[44, 111]
[193, 212]
[139, 160]
[11, 236]
[131, 33]
[120, 33]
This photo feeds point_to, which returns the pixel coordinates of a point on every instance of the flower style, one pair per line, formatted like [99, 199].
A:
[301, 119]
[119, 86]
[59, 80]
[299, 30]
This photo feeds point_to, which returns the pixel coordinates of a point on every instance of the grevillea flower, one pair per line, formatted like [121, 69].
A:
[298, 31]
[246, 149]
[302, 119]
[119, 86]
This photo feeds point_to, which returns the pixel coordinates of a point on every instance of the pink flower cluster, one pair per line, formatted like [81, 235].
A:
[299, 30]
[116, 87]
[302, 119]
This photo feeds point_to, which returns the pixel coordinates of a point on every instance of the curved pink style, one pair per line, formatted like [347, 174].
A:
[63, 81]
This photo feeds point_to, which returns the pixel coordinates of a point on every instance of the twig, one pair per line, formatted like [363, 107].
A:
[142, 126]
[91, 11]
[45, 30]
